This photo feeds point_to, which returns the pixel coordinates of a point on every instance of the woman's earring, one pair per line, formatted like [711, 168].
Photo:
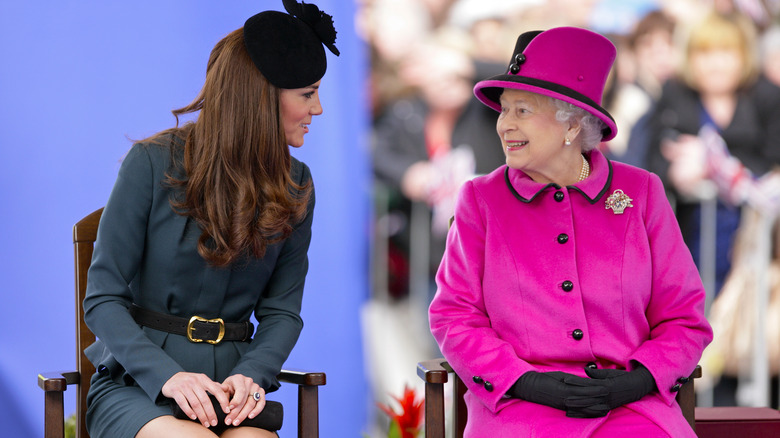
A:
[567, 142]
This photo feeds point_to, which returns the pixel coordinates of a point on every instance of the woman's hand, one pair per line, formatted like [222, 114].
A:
[190, 391]
[687, 164]
[624, 386]
[416, 181]
[567, 392]
[242, 403]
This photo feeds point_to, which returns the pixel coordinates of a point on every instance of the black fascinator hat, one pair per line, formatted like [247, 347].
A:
[287, 48]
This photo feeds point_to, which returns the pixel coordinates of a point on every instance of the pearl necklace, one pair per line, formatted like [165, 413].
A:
[585, 171]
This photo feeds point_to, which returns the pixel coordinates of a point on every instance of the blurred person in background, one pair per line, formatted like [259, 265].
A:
[492, 28]
[391, 28]
[551, 13]
[719, 85]
[652, 43]
[424, 145]
[648, 64]
[770, 54]
[624, 100]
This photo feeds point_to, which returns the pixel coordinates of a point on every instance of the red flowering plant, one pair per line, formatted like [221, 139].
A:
[407, 423]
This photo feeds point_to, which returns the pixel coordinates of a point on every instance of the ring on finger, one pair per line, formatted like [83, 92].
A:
[257, 396]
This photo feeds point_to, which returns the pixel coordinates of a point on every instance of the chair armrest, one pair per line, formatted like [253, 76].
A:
[54, 385]
[686, 397]
[308, 399]
[303, 378]
[57, 381]
[434, 371]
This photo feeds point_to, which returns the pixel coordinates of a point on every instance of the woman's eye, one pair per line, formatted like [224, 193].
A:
[308, 95]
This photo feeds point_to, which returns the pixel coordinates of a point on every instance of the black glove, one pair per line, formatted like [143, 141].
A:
[567, 392]
[624, 386]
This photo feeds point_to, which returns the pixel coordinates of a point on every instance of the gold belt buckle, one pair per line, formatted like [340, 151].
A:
[195, 318]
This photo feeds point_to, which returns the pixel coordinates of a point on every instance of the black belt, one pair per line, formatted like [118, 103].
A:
[196, 329]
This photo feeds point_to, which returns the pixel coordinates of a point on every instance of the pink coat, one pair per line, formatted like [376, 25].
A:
[542, 278]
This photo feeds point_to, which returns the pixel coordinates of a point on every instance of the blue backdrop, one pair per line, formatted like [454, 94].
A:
[77, 79]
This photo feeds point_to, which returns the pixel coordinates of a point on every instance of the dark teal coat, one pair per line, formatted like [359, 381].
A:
[146, 254]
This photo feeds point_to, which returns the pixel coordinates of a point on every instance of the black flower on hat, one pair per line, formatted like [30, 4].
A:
[287, 48]
[319, 21]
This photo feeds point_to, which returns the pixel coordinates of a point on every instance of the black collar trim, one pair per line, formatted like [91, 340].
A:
[556, 187]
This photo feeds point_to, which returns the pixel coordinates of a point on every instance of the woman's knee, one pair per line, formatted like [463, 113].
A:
[248, 432]
[171, 427]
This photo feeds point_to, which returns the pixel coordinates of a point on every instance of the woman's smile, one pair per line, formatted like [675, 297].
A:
[515, 145]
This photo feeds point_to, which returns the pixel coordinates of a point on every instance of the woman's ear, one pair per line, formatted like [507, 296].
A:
[573, 130]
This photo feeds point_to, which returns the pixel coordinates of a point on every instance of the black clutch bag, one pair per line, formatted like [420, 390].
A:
[270, 418]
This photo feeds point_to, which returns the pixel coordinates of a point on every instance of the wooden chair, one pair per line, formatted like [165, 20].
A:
[54, 384]
[435, 373]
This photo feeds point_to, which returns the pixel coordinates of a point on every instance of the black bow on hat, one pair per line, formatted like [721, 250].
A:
[287, 48]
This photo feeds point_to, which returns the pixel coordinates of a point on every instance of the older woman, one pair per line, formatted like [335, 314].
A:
[567, 300]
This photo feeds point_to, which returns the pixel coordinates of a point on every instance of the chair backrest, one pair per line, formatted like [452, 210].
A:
[84, 235]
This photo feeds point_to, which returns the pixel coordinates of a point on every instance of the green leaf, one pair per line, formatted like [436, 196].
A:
[70, 426]
[394, 431]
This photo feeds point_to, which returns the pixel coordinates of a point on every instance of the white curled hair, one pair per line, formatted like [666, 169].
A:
[591, 127]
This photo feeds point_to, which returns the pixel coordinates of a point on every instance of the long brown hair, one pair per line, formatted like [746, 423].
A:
[238, 185]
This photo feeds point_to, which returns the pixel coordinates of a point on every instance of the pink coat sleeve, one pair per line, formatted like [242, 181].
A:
[487, 364]
[675, 313]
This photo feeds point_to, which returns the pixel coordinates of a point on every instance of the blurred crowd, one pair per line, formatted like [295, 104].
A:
[695, 92]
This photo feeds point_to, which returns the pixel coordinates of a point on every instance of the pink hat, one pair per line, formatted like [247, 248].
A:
[566, 63]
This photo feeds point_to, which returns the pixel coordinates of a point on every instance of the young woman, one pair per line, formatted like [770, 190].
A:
[207, 224]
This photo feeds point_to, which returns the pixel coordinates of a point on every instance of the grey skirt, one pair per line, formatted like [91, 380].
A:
[115, 410]
[120, 411]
